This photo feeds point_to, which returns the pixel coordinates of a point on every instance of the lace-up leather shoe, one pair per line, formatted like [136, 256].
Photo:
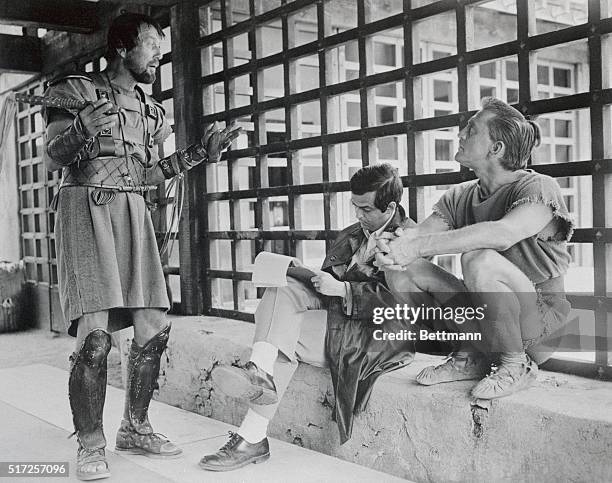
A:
[236, 453]
[475, 367]
[250, 383]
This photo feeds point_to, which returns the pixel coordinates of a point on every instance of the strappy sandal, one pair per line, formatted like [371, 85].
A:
[91, 457]
[153, 445]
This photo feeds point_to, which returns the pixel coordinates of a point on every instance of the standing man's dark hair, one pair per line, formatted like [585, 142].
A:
[382, 178]
[125, 30]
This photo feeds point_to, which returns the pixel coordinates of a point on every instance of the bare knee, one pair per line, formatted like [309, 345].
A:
[89, 323]
[481, 268]
[148, 323]
[399, 281]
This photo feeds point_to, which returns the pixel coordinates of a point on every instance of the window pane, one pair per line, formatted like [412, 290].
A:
[386, 115]
[512, 96]
[562, 77]
[487, 92]
[443, 27]
[443, 150]
[563, 128]
[563, 154]
[543, 74]
[443, 91]
[512, 71]
[387, 148]
[353, 114]
[488, 70]
[376, 10]
[384, 54]
[494, 23]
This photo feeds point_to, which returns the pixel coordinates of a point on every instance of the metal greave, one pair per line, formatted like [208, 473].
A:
[142, 374]
[87, 388]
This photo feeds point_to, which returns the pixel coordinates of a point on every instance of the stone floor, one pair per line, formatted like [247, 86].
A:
[36, 422]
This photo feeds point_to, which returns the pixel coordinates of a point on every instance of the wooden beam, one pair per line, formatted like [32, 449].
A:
[20, 54]
[186, 74]
[151, 3]
[68, 15]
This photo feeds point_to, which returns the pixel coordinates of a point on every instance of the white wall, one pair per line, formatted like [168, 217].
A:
[9, 202]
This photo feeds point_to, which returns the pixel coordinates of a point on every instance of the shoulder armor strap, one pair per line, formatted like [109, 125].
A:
[147, 99]
[144, 97]
[68, 76]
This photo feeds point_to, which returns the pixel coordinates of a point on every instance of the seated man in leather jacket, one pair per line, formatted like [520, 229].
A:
[336, 335]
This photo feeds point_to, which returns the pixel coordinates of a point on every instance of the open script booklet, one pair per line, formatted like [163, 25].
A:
[272, 269]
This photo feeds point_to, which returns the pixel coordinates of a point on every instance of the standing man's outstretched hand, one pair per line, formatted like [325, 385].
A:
[216, 141]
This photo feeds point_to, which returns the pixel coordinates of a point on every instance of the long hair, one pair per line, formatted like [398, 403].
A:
[519, 135]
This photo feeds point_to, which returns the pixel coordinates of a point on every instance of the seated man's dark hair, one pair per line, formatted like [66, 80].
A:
[382, 178]
[124, 30]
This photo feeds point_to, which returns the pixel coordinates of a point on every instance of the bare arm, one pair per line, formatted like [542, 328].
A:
[434, 223]
[522, 222]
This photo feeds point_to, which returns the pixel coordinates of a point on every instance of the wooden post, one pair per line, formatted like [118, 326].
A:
[186, 74]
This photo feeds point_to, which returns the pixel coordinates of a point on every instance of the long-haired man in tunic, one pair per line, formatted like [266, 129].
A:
[110, 273]
[511, 227]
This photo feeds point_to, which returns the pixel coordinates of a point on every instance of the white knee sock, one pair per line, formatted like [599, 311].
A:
[254, 427]
[264, 356]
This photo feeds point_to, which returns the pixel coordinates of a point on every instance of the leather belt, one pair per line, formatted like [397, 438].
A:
[124, 189]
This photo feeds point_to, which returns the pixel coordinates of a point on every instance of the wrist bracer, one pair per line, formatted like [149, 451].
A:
[182, 160]
[70, 146]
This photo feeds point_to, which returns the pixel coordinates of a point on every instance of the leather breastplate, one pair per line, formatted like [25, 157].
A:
[109, 165]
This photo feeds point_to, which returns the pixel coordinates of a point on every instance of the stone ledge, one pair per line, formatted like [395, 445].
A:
[559, 430]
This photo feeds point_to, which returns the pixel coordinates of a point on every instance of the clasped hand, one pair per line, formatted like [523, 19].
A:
[395, 251]
[96, 117]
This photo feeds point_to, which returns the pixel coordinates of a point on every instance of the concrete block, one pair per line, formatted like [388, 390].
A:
[559, 430]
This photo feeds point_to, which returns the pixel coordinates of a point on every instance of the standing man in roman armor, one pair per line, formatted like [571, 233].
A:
[110, 273]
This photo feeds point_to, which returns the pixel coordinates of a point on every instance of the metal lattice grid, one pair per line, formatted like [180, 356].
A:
[35, 187]
[255, 62]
